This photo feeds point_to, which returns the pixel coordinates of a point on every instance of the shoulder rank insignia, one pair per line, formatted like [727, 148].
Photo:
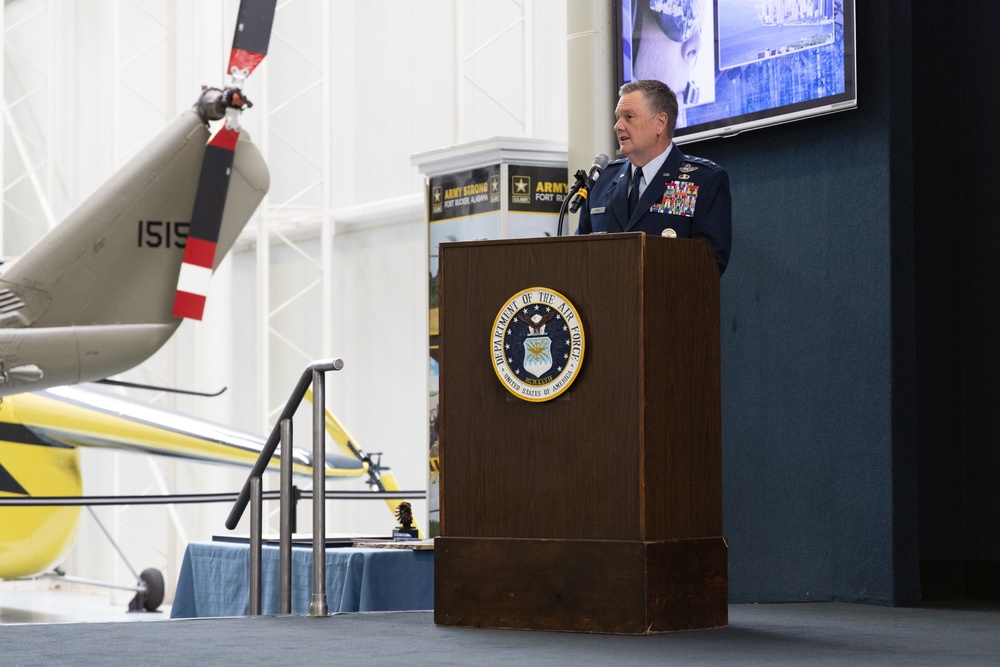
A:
[699, 160]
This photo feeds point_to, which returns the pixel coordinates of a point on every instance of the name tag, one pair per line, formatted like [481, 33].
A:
[598, 209]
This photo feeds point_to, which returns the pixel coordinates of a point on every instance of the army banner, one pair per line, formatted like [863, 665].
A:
[465, 193]
[494, 199]
[534, 197]
[537, 189]
[462, 205]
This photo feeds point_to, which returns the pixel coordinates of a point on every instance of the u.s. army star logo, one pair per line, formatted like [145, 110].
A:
[537, 344]
[520, 192]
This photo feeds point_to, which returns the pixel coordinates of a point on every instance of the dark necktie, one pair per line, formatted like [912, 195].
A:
[633, 195]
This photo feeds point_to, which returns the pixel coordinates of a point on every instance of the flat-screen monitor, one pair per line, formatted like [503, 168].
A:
[738, 65]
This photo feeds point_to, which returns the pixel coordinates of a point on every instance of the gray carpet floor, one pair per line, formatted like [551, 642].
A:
[766, 634]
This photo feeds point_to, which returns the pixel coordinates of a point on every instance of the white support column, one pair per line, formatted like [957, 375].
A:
[530, 111]
[327, 229]
[3, 135]
[50, 115]
[36, 80]
[459, 60]
[172, 35]
[116, 97]
[591, 90]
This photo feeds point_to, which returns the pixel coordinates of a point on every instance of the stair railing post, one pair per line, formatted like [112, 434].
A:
[256, 535]
[285, 527]
[318, 606]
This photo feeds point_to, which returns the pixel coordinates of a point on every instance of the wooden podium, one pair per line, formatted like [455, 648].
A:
[600, 510]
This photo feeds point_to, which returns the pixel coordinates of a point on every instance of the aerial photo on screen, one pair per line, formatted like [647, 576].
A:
[777, 60]
[753, 30]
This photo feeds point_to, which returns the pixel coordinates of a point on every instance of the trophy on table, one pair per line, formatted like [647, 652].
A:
[406, 529]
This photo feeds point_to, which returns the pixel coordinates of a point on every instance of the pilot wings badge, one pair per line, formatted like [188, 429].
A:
[537, 344]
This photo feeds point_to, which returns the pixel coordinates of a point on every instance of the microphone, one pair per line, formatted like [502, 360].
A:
[586, 183]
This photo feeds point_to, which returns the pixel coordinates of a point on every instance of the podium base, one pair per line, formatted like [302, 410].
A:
[616, 587]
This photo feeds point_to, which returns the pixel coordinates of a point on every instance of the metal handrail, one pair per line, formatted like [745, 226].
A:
[314, 374]
[294, 400]
[253, 495]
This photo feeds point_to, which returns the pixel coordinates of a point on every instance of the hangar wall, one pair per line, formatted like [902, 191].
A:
[817, 344]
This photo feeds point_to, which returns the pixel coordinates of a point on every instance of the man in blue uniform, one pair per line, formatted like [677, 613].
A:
[656, 189]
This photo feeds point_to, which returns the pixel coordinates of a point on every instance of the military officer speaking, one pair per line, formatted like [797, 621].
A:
[656, 189]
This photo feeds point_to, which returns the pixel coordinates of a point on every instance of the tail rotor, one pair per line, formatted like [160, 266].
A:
[250, 42]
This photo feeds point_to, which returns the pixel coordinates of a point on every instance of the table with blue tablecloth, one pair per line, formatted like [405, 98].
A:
[214, 580]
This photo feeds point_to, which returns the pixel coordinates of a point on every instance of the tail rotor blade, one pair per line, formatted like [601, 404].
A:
[253, 34]
[206, 221]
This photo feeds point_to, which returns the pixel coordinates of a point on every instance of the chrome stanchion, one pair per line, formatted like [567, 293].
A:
[318, 605]
[256, 523]
[285, 527]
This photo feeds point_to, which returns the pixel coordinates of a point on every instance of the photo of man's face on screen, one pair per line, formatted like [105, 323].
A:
[672, 41]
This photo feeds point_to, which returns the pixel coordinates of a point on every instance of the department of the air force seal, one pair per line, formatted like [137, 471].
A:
[537, 344]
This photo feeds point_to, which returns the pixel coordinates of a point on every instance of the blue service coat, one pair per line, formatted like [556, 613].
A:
[690, 196]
